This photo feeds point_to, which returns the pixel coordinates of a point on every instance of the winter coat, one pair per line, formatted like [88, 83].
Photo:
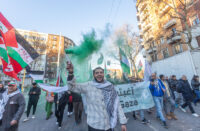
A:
[156, 89]
[184, 88]
[195, 84]
[76, 97]
[2, 90]
[64, 99]
[13, 111]
[166, 95]
[173, 85]
[34, 97]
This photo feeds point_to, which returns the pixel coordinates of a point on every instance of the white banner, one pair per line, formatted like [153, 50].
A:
[55, 89]
[135, 96]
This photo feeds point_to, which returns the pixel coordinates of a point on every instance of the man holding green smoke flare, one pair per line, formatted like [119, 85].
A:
[103, 106]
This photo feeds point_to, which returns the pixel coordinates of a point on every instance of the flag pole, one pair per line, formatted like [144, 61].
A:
[23, 80]
[58, 62]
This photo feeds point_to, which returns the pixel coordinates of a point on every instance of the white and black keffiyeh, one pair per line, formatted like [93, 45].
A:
[111, 100]
[4, 100]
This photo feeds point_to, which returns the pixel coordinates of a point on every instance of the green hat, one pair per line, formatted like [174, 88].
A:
[11, 83]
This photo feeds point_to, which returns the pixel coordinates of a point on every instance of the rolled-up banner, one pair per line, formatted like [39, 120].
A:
[55, 89]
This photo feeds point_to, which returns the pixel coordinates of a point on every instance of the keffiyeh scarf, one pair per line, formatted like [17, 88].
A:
[4, 100]
[111, 100]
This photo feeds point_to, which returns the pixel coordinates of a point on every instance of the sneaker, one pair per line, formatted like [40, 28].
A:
[59, 127]
[165, 124]
[144, 121]
[182, 109]
[134, 116]
[33, 117]
[195, 114]
[26, 119]
[68, 114]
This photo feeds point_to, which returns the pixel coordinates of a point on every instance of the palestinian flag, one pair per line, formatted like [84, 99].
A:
[37, 76]
[140, 66]
[21, 53]
[124, 62]
[90, 73]
[7, 66]
[100, 60]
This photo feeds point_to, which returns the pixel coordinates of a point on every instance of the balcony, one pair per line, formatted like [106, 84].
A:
[170, 23]
[151, 50]
[141, 34]
[142, 6]
[146, 28]
[173, 38]
[144, 15]
[164, 10]
[148, 38]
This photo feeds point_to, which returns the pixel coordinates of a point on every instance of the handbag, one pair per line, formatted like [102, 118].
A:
[50, 98]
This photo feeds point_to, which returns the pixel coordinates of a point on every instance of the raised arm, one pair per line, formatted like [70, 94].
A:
[73, 86]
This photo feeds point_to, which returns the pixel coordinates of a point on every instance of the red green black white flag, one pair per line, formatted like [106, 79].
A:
[19, 51]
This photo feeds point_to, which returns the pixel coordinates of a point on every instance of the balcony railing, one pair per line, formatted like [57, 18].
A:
[173, 38]
[142, 6]
[147, 27]
[164, 10]
[149, 38]
[151, 50]
[144, 16]
[170, 23]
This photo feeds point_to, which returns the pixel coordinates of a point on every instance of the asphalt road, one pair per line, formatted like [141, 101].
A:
[185, 122]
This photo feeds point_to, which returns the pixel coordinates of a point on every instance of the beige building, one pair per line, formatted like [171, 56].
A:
[51, 49]
[159, 31]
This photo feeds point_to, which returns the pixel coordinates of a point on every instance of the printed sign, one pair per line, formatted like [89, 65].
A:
[135, 96]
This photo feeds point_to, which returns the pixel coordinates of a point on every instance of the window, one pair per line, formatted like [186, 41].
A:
[198, 40]
[165, 53]
[194, 20]
[54, 43]
[162, 41]
[173, 31]
[25, 36]
[154, 57]
[177, 49]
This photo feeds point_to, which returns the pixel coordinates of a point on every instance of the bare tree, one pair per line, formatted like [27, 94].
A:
[180, 11]
[129, 42]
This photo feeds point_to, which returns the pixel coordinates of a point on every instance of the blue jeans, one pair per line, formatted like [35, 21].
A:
[159, 105]
[197, 92]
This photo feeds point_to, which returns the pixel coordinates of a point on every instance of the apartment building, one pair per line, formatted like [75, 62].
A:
[51, 49]
[162, 34]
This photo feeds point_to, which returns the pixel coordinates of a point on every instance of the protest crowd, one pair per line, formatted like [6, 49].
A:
[103, 101]
[102, 105]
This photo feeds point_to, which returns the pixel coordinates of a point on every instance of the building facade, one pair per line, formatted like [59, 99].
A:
[51, 49]
[162, 32]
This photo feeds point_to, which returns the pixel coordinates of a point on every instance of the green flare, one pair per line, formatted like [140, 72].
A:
[89, 45]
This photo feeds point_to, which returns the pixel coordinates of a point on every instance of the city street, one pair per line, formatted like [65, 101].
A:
[186, 122]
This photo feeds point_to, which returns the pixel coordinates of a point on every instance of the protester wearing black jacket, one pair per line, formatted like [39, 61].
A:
[78, 106]
[61, 102]
[195, 85]
[184, 88]
[34, 95]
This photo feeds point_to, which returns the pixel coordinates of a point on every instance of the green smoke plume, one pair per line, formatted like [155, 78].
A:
[89, 45]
